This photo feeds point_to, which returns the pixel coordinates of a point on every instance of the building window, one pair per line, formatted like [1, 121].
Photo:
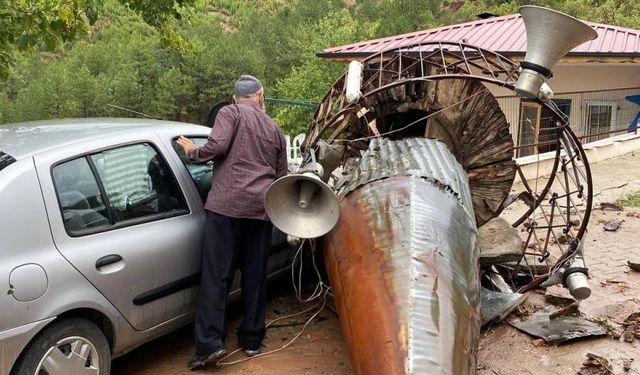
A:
[564, 105]
[599, 119]
[537, 132]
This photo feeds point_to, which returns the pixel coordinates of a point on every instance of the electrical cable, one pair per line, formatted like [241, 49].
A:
[284, 346]
[321, 290]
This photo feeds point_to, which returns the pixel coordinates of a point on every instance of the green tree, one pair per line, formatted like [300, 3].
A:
[46, 97]
[172, 95]
[214, 60]
[48, 24]
[310, 80]
[624, 13]
[125, 66]
[394, 17]
[6, 108]
[174, 59]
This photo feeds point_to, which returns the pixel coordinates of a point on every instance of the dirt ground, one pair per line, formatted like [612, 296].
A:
[503, 349]
[615, 289]
[319, 350]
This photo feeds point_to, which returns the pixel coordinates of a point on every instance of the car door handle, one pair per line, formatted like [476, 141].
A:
[107, 260]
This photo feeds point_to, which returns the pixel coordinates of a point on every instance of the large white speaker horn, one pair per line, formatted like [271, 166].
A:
[550, 35]
[301, 205]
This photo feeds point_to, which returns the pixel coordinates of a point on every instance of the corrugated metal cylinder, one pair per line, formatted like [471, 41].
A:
[403, 261]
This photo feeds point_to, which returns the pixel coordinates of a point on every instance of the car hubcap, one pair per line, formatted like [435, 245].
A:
[70, 356]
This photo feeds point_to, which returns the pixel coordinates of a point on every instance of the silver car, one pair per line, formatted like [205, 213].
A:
[100, 230]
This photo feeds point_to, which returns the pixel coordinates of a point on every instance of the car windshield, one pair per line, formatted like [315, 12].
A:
[5, 160]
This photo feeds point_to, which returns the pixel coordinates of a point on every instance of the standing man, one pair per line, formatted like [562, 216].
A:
[249, 151]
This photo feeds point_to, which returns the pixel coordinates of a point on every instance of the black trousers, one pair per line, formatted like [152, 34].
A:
[230, 243]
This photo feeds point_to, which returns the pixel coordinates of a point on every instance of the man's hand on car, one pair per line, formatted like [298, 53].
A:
[186, 144]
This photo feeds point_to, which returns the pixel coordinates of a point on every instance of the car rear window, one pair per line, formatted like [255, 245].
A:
[5, 160]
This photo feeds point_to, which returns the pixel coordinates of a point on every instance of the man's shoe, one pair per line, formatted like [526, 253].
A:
[252, 352]
[198, 361]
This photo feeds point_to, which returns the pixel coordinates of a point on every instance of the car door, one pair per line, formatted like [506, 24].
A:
[121, 217]
[280, 253]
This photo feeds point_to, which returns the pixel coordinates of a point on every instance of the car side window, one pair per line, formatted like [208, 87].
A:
[137, 182]
[79, 196]
[201, 173]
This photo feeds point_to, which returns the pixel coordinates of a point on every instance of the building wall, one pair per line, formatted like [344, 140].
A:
[589, 77]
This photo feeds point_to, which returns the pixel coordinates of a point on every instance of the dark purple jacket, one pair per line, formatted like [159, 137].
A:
[249, 153]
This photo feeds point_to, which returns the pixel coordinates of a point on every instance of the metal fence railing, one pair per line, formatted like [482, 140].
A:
[594, 115]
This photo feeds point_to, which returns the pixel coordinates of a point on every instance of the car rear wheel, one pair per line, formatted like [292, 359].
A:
[69, 347]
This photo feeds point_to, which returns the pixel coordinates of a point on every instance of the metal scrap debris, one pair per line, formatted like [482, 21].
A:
[495, 306]
[595, 365]
[558, 330]
[613, 225]
[497, 281]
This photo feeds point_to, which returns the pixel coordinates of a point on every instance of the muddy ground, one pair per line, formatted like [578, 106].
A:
[319, 350]
[503, 349]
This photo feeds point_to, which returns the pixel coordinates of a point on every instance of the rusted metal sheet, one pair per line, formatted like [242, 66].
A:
[403, 264]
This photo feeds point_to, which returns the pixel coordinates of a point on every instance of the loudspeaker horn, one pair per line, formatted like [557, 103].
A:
[550, 35]
[301, 205]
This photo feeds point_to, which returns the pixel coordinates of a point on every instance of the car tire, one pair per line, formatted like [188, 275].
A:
[69, 346]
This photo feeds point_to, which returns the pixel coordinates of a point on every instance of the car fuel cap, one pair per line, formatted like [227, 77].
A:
[28, 282]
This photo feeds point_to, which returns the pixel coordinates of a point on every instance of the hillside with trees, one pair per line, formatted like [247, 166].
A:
[175, 59]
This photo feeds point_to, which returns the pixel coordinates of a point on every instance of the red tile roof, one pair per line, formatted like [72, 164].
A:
[505, 34]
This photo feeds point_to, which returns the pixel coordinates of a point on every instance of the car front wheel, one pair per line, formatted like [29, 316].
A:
[68, 347]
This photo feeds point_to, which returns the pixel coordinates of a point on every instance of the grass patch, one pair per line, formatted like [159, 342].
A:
[631, 200]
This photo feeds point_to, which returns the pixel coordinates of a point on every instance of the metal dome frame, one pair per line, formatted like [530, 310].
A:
[566, 195]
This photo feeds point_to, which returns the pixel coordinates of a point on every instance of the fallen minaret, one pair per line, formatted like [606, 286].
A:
[419, 155]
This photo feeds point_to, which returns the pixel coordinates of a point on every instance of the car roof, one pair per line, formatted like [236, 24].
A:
[29, 138]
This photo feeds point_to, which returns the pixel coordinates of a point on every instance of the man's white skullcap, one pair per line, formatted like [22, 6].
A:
[247, 85]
